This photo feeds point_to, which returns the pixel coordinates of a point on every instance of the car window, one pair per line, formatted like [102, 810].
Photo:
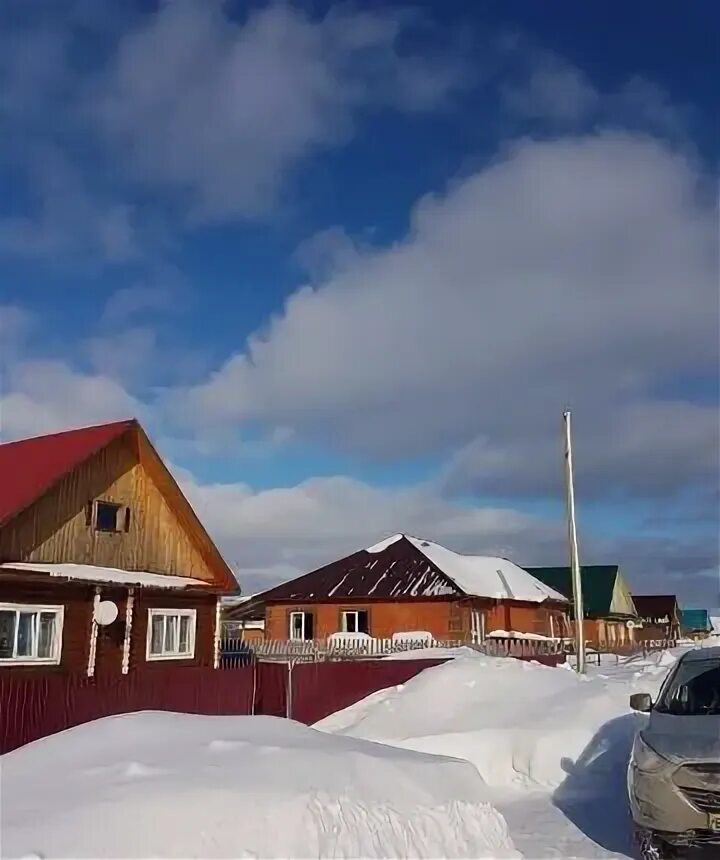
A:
[692, 690]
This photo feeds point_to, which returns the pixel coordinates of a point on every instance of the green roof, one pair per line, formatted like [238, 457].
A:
[598, 585]
[693, 620]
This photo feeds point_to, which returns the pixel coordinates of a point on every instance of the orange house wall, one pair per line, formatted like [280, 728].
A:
[431, 616]
[384, 618]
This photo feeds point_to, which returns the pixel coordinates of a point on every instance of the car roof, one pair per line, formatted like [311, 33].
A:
[698, 654]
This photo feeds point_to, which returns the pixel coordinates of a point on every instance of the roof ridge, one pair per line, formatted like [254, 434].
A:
[125, 422]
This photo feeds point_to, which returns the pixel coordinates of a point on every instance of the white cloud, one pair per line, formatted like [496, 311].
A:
[46, 396]
[269, 536]
[272, 534]
[547, 88]
[575, 272]
[222, 110]
[65, 219]
[553, 90]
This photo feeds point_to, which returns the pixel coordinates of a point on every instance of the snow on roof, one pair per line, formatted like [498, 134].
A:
[384, 544]
[89, 573]
[486, 576]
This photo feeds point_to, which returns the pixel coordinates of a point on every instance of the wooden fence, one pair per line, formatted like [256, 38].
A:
[237, 652]
[34, 707]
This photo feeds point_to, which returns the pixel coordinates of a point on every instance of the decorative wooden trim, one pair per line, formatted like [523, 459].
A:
[129, 606]
[92, 653]
[216, 640]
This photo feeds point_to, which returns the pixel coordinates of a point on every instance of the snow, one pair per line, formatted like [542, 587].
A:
[106, 574]
[551, 746]
[516, 634]
[384, 544]
[412, 636]
[479, 575]
[350, 638]
[177, 785]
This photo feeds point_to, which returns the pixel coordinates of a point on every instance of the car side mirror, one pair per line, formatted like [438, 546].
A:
[641, 702]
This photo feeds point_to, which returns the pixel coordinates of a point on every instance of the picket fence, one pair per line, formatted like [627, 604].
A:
[238, 652]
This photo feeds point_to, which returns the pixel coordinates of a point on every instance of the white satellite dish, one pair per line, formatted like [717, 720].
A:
[105, 612]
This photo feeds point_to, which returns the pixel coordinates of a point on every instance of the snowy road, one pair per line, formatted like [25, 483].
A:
[540, 830]
[551, 747]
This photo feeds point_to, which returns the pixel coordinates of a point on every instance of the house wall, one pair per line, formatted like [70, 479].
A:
[444, 619]
[55, 530]
[384, 618]
[78, 603]
[528, 618]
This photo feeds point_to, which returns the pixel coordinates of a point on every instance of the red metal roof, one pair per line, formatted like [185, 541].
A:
[29, 467]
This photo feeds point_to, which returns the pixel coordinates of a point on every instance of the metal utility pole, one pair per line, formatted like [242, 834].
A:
[573, 542]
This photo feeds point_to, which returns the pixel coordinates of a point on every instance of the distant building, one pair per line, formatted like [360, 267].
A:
[695, 623]
[610, 614]
[659, 615]
[406, 585]
[104, 566]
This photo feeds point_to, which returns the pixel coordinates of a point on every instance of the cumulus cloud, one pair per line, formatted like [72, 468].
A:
[46, 396]
[269, 536]
[232, 106]
[544, 87]
[65, 219]
[580, 271]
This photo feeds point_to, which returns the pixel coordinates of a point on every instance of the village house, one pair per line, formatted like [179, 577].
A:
[610, 614]
[659, 616]
[104, 566]
[695, 623]
[243, 618]
[406, 585]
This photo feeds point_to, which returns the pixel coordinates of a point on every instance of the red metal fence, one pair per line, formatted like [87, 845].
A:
[33, 707]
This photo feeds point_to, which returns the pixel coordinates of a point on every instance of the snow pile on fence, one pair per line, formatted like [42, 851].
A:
[517, 722]
[176, 785]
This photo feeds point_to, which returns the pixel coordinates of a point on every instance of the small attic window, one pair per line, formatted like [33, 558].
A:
[106, 516]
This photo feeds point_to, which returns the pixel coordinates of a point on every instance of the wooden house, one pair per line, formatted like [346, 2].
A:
[611, 618]
[659, 616]
[405, 585]
[104, 566]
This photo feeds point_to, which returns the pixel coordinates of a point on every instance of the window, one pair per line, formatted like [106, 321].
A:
[455, 619]
[302, 626]
[171, 634]
[355, 621]
[30, 634]
[106, 516]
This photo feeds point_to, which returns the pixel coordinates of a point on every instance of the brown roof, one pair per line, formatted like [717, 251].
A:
[399, 571]
[655, 605]
[403, 567]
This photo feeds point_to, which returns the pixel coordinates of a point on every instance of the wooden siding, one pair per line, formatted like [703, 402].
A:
[54, 529]
[78, 603]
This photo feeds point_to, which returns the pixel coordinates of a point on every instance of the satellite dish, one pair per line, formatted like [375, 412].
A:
[105, 612]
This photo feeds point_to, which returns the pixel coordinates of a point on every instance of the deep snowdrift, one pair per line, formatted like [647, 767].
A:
[174, 785]
[517, 722]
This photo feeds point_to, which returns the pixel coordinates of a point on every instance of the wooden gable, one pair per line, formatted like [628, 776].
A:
[157, 530]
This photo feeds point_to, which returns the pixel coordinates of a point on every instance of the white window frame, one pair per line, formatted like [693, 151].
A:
[25, 660]
[165, 613]
[356, 612]
[304, 614]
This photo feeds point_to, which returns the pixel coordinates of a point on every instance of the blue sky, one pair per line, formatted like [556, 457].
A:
[349, 262]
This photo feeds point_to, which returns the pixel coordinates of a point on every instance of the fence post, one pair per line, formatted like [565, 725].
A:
[288, 692]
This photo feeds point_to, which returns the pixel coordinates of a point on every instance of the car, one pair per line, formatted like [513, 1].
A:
[674, 768]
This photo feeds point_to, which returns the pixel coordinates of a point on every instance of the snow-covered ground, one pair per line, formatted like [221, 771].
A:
[177, 785]
[551, 747]
[478, 757]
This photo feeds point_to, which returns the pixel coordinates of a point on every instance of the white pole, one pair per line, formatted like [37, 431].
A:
[574, 556]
